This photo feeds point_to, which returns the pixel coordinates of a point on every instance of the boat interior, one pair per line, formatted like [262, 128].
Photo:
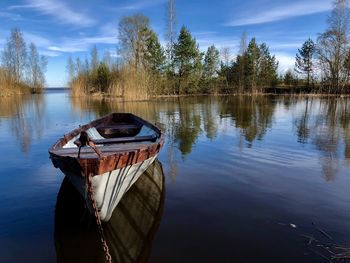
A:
[114, 133]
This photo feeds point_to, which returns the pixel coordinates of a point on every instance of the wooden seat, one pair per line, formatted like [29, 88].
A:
[88, 152]
[118, 127]
[126, 139]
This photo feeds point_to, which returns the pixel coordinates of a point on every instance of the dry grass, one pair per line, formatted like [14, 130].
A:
[125, 83]
[9, 86]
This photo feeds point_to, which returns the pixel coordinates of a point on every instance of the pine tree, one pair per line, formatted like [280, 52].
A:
[252, 64]
[154, 56]
[288, 78]
[187, 59]
[304, 60]
[211, 62]
[267, 67]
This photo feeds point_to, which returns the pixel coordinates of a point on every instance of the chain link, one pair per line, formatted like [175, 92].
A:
[90, 194]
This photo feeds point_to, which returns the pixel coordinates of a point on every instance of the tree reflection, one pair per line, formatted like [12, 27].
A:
[25, 115]
[302, 123]
[252, 115]
[322, 122]
[327, 125]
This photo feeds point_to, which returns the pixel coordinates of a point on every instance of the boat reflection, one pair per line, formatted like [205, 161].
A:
[130, 231]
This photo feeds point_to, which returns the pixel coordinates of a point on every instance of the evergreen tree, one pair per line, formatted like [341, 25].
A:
[267, 67]
[260, 68]
[154, 56]
[252, 64]
[211, 62]
[304, 60]
[187, 60]
[102, 77]
[288, 78]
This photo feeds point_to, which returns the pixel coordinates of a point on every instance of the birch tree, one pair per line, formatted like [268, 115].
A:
[14, 55]
[132, 39]
[36, 68]
[332, 47]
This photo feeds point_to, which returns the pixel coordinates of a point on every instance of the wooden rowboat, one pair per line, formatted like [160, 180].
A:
[105, 157]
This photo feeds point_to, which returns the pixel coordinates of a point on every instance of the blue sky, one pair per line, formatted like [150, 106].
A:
[63, 28]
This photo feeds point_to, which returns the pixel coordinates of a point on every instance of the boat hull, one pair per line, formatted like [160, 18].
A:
[109, 188]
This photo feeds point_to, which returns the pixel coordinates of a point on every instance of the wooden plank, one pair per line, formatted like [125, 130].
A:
[106, 150]
[126, 139]
[118, 127]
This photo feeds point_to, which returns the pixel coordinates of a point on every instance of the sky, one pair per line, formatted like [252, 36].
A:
[71, 28]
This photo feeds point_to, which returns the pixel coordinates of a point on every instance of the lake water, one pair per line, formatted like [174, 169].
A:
[247, 179]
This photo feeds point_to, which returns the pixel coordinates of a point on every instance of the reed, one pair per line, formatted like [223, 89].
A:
[80, 85]
[125, 83]
[9, 86]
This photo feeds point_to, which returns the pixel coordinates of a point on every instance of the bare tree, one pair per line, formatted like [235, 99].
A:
[79, 67]
[132, 38]
[14, 55]
[242, 66]
[332, 46]
[107, 58]
[243, 44]
[70, 68]
[225, 55]
[94, 58]
[170, 34]
[225, 61]
[36, 68]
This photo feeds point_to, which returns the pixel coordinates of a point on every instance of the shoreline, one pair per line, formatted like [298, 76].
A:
[157, 97]
[105, 96]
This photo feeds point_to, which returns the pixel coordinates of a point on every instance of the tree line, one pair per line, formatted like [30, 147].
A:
[22, 67]
[145, 68]
[323, 65]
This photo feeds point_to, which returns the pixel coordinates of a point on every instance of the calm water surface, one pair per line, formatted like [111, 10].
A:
[246, 179]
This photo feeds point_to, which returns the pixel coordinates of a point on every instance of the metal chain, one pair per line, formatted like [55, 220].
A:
[90, 194]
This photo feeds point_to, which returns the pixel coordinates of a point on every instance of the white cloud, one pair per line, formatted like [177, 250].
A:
[207, 38]
[110, 28]
[140, 5]
[39, 41]
[49, 53]
[282, 12]
[71, 45]
[66, 49]
[59, 11]
[12, 16]
[286, 62]
[15, 7]
[286, 45]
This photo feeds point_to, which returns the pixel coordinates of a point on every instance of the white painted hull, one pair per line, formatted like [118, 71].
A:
[110, 187]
